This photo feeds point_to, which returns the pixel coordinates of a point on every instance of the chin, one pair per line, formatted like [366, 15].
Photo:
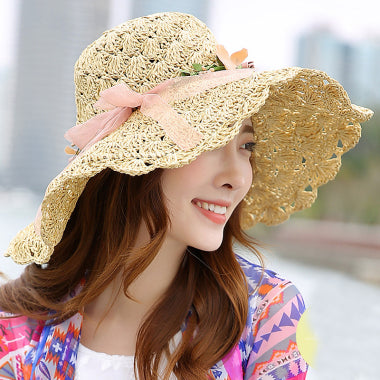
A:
[208, 244]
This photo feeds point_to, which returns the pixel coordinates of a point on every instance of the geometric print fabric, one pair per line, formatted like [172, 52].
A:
[267, 349]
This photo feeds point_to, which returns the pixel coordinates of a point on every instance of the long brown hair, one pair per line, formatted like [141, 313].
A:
[98, 243]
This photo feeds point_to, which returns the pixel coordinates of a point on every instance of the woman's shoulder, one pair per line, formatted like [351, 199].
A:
[270, 294]
[263, 282]
[275, 308]
[17, 334]
[17, 331]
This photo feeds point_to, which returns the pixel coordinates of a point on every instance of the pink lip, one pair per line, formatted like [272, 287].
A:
[218, 202]
[214, 217]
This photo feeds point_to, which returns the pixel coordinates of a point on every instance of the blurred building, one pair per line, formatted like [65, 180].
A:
[6, 96]
[52, 35]
[365, 72]
[356, 66]
[198, 8]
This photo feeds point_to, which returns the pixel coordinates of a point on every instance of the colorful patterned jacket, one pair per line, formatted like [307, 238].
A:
[267, 350]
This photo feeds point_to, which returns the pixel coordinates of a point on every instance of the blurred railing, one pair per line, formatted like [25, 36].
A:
[351, 248]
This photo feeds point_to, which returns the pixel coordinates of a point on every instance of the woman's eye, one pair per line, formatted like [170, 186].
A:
[250, 146]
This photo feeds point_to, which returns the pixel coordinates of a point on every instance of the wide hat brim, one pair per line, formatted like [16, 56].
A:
[303, 122]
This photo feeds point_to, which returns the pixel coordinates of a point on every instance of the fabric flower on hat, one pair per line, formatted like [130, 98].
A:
[235, 60]
[225, 62]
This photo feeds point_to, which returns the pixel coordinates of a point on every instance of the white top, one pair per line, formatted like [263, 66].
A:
[92, 365]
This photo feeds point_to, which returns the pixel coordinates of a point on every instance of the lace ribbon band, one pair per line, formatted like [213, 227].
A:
[120, 100]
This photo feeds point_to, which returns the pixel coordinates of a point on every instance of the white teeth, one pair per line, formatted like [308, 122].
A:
[220, 209]
[212, 207]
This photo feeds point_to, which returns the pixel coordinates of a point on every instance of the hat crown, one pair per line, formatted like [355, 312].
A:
[142, 53]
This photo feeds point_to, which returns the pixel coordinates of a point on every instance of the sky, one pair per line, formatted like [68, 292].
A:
[268, 29]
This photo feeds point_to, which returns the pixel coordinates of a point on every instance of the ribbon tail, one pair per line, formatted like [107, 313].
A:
[175, 126]
[81, 134]
[86, 134]
[116, 118]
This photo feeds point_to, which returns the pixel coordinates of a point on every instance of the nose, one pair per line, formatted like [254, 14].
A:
[235, 170]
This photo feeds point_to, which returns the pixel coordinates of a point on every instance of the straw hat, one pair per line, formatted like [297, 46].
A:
[303, 122]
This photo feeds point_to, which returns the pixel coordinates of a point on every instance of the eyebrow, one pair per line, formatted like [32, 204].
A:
[247, 129]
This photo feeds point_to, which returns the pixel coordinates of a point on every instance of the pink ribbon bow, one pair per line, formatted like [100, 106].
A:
[120, 100]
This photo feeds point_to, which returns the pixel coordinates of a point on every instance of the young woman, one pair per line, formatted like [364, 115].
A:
[133, 272]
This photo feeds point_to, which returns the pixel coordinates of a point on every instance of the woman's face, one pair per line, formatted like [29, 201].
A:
[201, 196]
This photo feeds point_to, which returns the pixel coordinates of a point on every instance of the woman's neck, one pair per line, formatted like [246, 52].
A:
[114, 314]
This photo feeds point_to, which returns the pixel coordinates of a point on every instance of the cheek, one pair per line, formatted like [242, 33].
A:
[177, 183]
[249, 177]
[178, 179]
[196, 169]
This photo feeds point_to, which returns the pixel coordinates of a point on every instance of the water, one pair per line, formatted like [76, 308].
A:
[344, 312]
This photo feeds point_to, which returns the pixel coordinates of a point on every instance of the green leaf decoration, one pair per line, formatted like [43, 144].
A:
[197, 66]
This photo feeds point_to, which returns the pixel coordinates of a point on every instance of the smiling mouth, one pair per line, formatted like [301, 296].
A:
[212, 207]
[212, 211]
